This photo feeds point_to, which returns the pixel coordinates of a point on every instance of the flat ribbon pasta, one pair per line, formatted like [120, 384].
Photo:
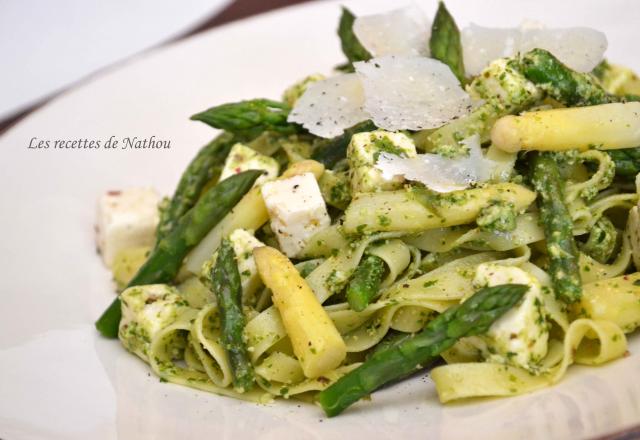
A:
[483, 379]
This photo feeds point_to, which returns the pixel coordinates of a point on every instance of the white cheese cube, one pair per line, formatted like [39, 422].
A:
[242, 158]
[368, 179]
[146, 310]
[363, 153]
[297, 211]
[520, 336]
[126, 219]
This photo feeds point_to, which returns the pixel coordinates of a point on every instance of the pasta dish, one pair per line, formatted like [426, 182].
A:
[455, 202]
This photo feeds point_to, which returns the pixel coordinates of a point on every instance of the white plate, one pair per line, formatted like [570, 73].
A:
[59, 379]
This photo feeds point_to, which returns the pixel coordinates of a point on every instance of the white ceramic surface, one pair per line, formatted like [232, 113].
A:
[47, 45]
[60, 380]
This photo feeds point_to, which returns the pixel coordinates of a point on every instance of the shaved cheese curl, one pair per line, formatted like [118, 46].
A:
[411, 92]
[330, 106]
[580, 48]
[403, 31]
[439, 173]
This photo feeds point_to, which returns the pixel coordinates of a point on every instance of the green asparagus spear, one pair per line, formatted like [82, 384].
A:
[445, 42]
[203, 168]
[558, 228]
[351, 47]
[392, 339]
[225, 281]
[330, 151]
[627, 162]
[365, 283]
[472, 317]
[248, 119]
[165, 260]
[560, 82]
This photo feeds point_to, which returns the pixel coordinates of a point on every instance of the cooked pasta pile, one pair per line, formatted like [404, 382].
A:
[399, 212]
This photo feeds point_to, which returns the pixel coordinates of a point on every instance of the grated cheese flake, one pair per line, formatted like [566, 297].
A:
[439, 173]
[411, 92]
[580, 48]
[403, 31]
[330, 106]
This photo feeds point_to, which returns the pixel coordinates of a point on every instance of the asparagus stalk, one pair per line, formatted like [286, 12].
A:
[225, 281]
[351, 47]
[627, 161]
[392, 339]
[248, 119]
[330, 151]
[365, 283]
[558, 228]
[165, 260]
[445, 42]
[560, 82]
[203, 168]
[472, 317]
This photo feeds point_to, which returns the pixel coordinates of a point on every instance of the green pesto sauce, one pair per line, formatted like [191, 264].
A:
[497, 216]
[384, 145]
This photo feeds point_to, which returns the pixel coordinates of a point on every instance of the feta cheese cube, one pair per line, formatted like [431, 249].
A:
[146, 310]
[363, 152]
[297, 211]
[520, 336]
[126, 219]
[242, 158]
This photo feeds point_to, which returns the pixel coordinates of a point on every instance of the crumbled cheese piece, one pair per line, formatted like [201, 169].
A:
[297, 211]
[330, 106]
[403, 31]
[580, 48]
[411, 92]
[146, 310]
[242, 158]
[439, 173]
[363, 152]
[126, 219]
[520, 336]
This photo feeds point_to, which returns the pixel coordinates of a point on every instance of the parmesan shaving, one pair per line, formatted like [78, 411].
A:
[403, 31]
[411, 92]
[439, 173]
[580, 48]
[330, 106]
